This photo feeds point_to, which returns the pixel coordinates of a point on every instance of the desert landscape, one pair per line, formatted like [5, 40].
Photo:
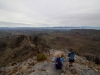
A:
[39, 36]
[20, 44]
[32, 46]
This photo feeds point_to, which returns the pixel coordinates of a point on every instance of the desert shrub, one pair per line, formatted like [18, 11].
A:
[41, 57]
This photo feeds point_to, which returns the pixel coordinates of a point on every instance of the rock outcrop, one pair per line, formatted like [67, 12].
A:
[22, 48]
[32, 67]
[92, 57]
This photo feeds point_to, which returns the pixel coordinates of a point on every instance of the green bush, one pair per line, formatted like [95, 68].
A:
[41, 57]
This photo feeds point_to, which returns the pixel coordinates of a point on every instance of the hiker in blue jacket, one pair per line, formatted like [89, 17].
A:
[71, 55]
[62, 59]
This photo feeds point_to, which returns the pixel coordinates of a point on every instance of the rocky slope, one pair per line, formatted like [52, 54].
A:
[22, 48]
[31, 67]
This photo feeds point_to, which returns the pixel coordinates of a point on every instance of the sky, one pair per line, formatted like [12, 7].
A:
[49, 13]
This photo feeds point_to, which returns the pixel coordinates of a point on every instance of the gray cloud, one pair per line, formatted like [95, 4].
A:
[79, 19]
[50, 12]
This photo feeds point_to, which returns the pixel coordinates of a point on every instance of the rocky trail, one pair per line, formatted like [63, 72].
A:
[47, 67]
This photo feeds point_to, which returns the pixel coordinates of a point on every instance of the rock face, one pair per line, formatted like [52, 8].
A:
[92, 57]
[22, 48]
[17, 42]
[32, 67]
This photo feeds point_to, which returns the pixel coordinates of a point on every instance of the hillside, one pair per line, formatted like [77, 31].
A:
[81, 40]
[21, 48]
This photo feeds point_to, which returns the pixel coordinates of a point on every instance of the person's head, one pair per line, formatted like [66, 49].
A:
[70, 49]
[58, 56]
[62, 55]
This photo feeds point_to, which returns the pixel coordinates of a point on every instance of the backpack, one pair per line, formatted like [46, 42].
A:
[58, 64]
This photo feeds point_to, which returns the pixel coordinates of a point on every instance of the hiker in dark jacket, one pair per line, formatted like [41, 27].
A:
[58, 64]
[59, 61]
[71, 55]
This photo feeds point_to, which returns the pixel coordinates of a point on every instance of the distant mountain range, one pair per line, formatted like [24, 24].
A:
[23, 25]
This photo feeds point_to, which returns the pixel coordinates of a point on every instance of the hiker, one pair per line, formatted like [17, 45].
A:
[59, 62]
[71, 55]
[63, 63]
[62, 59]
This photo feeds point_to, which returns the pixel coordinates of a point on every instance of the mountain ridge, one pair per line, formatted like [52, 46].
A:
[22, 48]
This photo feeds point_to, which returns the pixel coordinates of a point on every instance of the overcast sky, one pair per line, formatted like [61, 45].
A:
[38, 13]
